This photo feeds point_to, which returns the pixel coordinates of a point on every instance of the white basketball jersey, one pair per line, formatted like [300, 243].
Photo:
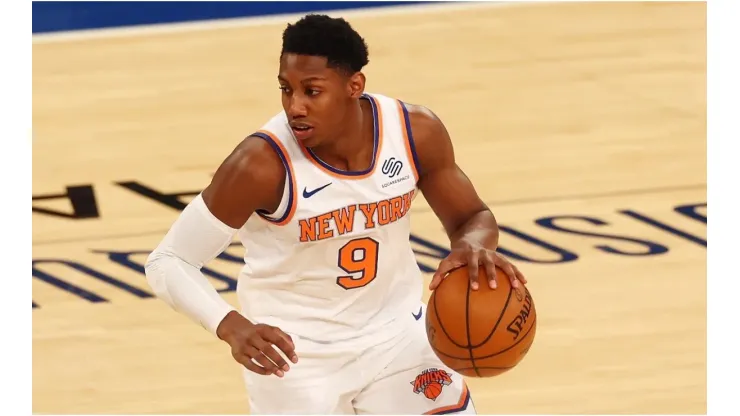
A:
[334, 261]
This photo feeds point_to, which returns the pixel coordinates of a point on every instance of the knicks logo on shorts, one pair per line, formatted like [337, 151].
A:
[430, 382]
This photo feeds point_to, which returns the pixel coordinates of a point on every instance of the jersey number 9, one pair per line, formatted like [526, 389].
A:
[358, 256]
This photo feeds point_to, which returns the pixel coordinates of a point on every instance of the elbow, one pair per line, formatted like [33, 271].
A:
[154, 270]
[164, 269]
[152, 263]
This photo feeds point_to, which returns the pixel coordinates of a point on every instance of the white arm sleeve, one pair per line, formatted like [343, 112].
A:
[173, 268]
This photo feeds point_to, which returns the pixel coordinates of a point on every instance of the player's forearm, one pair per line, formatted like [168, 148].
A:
[480, 229]
[185, 289]
[173, 268]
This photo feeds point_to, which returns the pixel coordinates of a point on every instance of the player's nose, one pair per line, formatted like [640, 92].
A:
[297, 108]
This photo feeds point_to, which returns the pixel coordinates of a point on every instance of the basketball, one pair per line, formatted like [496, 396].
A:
[484, 332]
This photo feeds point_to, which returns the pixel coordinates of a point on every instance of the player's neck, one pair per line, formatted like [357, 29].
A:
[353, 148]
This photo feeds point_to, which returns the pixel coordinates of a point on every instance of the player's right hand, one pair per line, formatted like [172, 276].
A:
[252, 345]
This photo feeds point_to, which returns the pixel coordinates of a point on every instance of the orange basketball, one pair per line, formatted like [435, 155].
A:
[484, 332]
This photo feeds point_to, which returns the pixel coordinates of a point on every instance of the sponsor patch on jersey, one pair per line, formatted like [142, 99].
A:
[392, 167]
[430, 382]
[395, 181]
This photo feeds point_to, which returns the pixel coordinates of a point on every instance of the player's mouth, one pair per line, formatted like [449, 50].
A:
[302, 131]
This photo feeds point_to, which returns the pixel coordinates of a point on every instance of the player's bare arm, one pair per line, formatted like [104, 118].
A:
[469, 223]
[251, 178]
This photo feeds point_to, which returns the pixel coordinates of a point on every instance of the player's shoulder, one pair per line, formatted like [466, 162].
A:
[255, 158]
[427, 127]
[259, 155]
[418, 110]
[424, 122]
[250, 178]
[431, 139]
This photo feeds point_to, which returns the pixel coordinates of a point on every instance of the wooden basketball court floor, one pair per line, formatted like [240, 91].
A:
[582, 124]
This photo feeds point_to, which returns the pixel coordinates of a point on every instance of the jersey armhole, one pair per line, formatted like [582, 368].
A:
[409, 139]
[285, 210]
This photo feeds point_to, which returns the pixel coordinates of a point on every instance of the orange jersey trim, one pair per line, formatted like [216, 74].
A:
[408, 137]
[289, 178]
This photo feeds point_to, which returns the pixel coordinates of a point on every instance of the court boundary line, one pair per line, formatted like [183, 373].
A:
[266, 20]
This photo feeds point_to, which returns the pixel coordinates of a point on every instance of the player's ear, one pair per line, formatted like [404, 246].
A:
[356, 85]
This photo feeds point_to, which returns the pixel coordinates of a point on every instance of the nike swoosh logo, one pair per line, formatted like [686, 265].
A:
[309, 194]
[417, 317]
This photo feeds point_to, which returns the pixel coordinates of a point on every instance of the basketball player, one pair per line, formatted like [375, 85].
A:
[331, 317]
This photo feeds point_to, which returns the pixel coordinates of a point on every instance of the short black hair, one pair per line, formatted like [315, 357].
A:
[332, 38]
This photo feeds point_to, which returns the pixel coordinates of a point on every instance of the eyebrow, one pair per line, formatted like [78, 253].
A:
[313, 78]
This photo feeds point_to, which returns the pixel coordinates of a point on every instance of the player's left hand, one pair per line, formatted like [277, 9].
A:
[474, 256]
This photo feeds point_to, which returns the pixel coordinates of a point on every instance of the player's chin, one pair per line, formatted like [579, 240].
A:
[311, 139]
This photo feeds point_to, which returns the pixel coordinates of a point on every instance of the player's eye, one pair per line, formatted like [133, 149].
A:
[283, 89]
[312, 92]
